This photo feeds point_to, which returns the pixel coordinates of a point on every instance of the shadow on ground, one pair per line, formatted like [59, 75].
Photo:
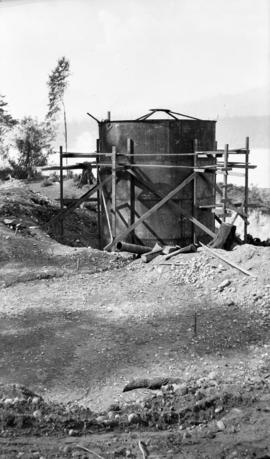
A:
[79, 349]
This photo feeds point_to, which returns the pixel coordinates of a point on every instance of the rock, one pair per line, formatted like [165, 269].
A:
[9, 221]
[133, 418]
[218, 409]
[232, 429]
[199, 395]
[100, 419]
[186, 435]
[212, 375]
[221, 425]
[37, 414]
[35, 400]
[181, 389]
[224, 284]
[8, 401]
[67, 449]
[114, 407]
[230, 303]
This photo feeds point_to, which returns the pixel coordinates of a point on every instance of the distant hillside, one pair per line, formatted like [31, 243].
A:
[235, 130]
[82, 134]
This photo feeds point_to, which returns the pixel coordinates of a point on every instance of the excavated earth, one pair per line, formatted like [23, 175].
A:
[78, 324]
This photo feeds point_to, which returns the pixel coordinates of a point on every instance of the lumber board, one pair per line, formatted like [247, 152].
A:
[229, 202]
[149, 212]
[191, 248]
[78, 201]
[234, 265]
[176, 207]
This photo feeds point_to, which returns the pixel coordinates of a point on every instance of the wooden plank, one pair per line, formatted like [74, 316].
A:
[98, 198]
[79, 155]
[234, 265]
[176, 207]
[239, 166]
[130, 151]
[77, 202]
[70, 167]
[246, 188]
[113, 209]
[106, 213]
[61, 188]
[210, 206]
[218, 189]
[221, 152]
[225, 181]
[85, 155]
[194, 207]
[188, 249]
[165, 166]
[149, 212]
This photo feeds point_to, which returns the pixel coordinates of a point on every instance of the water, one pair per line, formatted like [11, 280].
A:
[261, 175]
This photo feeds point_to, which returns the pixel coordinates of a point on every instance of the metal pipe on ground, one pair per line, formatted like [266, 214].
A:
[132, 248]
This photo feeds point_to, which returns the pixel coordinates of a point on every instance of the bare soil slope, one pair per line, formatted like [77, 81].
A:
[78, 339]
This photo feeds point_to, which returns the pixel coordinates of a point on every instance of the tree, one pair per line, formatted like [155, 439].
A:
[58, 80]
[33, 142]
[7, 122]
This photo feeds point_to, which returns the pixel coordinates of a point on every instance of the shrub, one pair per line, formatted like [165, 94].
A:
[5, 172]
[54, 177]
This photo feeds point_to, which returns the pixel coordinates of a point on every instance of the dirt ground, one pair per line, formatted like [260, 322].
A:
[78, 324]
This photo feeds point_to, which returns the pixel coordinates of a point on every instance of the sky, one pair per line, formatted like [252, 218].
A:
[208, 57]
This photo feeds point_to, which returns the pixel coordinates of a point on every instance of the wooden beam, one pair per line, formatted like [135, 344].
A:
[246, 188]
[175, 207]
[106, 213]
[98, 198]
[149, 212]
[61, 188]
[234, 265]
[77, 202]
[194, 207]
[130, 152]
[113, 209]
[225, 181]
[220, 192]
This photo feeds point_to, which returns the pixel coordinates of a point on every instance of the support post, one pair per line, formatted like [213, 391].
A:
[130, 152]
[246, 188]
[195, 148]
[159, 204]
[113, 209]
[98, 196]
[61, 189]
[225, 182]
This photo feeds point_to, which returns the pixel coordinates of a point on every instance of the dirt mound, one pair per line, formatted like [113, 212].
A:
[80, 338]
[191, 415]
[27, 252]
[22, 209]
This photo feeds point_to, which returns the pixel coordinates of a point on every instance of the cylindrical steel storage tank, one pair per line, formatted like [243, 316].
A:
[155, 142]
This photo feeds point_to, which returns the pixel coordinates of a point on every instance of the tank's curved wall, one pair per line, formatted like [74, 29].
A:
[157, 137]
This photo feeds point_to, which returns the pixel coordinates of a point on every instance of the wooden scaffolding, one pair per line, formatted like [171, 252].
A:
[119, 162]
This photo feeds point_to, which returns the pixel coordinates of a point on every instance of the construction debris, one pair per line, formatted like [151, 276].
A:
[188, 249]
[226, 261]
[157, 250]
[132, 248]
[225, 237]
